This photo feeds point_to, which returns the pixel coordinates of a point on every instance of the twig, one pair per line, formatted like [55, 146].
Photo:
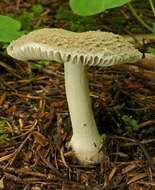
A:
[49, 165]
[138, 40]
[22, 173]
[152, 6]
[21, 145]
[144, 24]
[147, 63]
[147, 123]
[62, 157]
[9, 69]
[147, 156]
[18, 5]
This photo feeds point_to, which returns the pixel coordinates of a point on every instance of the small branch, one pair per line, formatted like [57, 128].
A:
[138, 40]
[10, 69]
[152, 6]
[22, 144]
[147, 123]
[144, 24]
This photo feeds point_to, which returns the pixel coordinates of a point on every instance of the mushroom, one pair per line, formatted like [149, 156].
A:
[77, 51]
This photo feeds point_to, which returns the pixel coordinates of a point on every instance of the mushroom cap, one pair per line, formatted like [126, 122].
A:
[89, 48]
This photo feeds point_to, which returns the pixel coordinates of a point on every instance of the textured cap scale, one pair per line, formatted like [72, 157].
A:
[89, 48]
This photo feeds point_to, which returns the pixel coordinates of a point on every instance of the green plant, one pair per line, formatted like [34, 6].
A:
[150, 49]
[139, 19]
[9, 29]
[4, 126]
[75, 22]
[3, 138]
[28, 18]
[129, 122]
[39, 65]
[37, 9]
[91, 7]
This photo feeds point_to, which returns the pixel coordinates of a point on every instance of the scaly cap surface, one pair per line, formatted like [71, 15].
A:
[89, 48]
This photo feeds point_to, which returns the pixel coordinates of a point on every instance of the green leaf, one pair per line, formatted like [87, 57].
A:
[153, 27]
[151, 50]
[9, 29]
[26, 19]
[91, 7]
[37, 9]
[130, 122]
[114, 3]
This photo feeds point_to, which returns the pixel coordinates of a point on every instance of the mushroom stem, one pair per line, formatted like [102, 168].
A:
[86, 141]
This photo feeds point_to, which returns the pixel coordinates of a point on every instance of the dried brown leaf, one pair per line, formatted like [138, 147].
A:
[112, 173]
[137, 177]
[129, 168]
[40, 138]
[6, 157]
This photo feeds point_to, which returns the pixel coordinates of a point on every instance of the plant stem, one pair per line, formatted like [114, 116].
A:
[144, 24]
[152, 6]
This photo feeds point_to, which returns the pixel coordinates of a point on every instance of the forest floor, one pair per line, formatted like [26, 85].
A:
[34, 117]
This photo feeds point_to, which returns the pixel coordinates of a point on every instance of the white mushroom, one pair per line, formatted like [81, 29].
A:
[77, 51]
